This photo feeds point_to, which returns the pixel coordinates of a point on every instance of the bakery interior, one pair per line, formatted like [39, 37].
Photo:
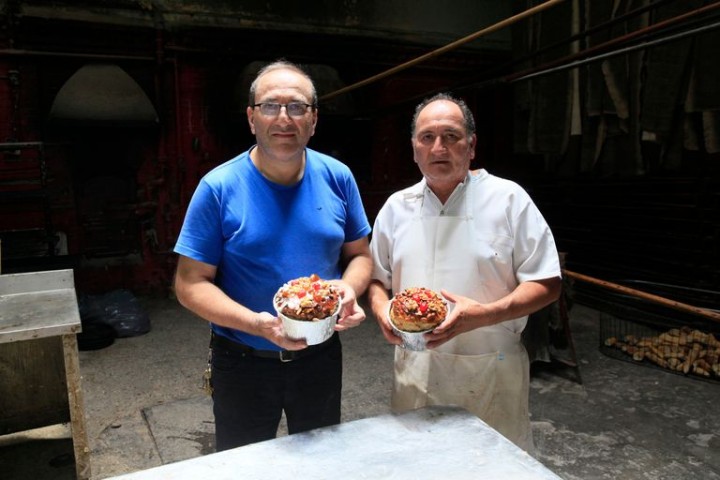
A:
[605, 112]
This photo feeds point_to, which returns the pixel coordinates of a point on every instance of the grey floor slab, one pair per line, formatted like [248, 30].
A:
[145, 408]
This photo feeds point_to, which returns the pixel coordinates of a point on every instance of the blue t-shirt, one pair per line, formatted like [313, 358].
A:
[260, 234]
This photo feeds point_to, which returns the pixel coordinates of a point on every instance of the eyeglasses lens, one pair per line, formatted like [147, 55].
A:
[292, 109]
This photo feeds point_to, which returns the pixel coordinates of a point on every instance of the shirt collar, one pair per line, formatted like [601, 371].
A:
[452, 202]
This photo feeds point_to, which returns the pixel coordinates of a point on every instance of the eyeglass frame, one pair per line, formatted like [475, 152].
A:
[286, 105]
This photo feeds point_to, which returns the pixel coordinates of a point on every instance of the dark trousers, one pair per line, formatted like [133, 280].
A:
[250, 393]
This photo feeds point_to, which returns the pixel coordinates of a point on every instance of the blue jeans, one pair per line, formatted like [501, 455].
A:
[250, 393]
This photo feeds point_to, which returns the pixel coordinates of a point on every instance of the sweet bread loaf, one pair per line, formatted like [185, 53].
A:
[417, 309]
[307, 298]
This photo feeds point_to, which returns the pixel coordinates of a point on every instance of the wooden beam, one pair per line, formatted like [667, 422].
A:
[703, 312]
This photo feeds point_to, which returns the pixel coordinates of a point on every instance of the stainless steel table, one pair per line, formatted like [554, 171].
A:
[429, 443]
[39, 364]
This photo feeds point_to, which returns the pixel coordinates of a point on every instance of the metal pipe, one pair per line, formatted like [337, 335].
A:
[40, 53]
[564, 63]
[451, 46]
[614, 53]
[538, 71]
[524, 75]
[704, 312]
[581, 35]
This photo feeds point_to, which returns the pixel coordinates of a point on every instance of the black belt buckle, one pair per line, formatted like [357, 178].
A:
[286, 356]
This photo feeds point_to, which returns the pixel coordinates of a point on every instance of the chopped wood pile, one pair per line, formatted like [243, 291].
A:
[683, 350]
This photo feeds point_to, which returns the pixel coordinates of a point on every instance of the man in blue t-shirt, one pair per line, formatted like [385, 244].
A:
[274, 213]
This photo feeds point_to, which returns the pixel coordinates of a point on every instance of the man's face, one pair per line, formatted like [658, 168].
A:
[441, 146]
[282, 135]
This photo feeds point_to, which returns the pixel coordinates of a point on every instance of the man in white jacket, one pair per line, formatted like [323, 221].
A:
[481, 242]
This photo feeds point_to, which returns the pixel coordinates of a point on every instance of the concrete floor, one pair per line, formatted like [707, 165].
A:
[145, 408]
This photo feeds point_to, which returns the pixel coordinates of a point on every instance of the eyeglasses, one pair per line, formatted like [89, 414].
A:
[293, 109]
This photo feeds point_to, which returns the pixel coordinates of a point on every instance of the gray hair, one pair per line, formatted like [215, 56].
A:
[281, 65]
[467, 114]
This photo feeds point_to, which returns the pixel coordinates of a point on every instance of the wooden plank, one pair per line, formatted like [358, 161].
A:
[76, 407]
[32, 391]
[703, 312]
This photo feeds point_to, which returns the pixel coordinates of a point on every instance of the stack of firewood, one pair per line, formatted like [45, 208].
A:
[683, 350]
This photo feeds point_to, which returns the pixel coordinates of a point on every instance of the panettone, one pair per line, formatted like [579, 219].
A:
[308, 299]
[417, 309]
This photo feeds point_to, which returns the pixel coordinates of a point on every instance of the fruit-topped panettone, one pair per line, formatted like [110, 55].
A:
[307, 298]
[417, 309]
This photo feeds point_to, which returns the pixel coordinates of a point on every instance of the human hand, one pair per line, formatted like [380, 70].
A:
[457, 321]
[271, 328]
[351, 313]
[385, 327]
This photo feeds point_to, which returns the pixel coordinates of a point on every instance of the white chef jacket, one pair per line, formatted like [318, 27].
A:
[513, 242]
[485, 240]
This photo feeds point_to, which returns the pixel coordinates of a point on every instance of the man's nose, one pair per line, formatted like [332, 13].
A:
[283, 114]
[438, 144]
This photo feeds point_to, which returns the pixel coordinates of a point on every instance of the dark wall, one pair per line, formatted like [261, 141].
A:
[108, 198]
[633, 194]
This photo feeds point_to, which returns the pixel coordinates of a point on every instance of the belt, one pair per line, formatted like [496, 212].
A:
[218, 341]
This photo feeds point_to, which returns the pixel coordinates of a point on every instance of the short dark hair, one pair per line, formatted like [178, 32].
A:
[281, 64]
[467, 114]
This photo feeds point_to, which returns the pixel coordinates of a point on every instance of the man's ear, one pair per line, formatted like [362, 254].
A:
[314, 122]
[251, 119]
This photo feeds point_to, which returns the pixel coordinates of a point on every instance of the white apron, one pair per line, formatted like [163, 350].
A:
[486, 370]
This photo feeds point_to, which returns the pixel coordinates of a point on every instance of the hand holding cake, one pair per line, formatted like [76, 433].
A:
[417, 309]
[413, 312]
[312, 308]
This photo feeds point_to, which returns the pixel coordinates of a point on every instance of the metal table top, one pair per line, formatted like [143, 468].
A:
[38, 304]
[428, 443]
